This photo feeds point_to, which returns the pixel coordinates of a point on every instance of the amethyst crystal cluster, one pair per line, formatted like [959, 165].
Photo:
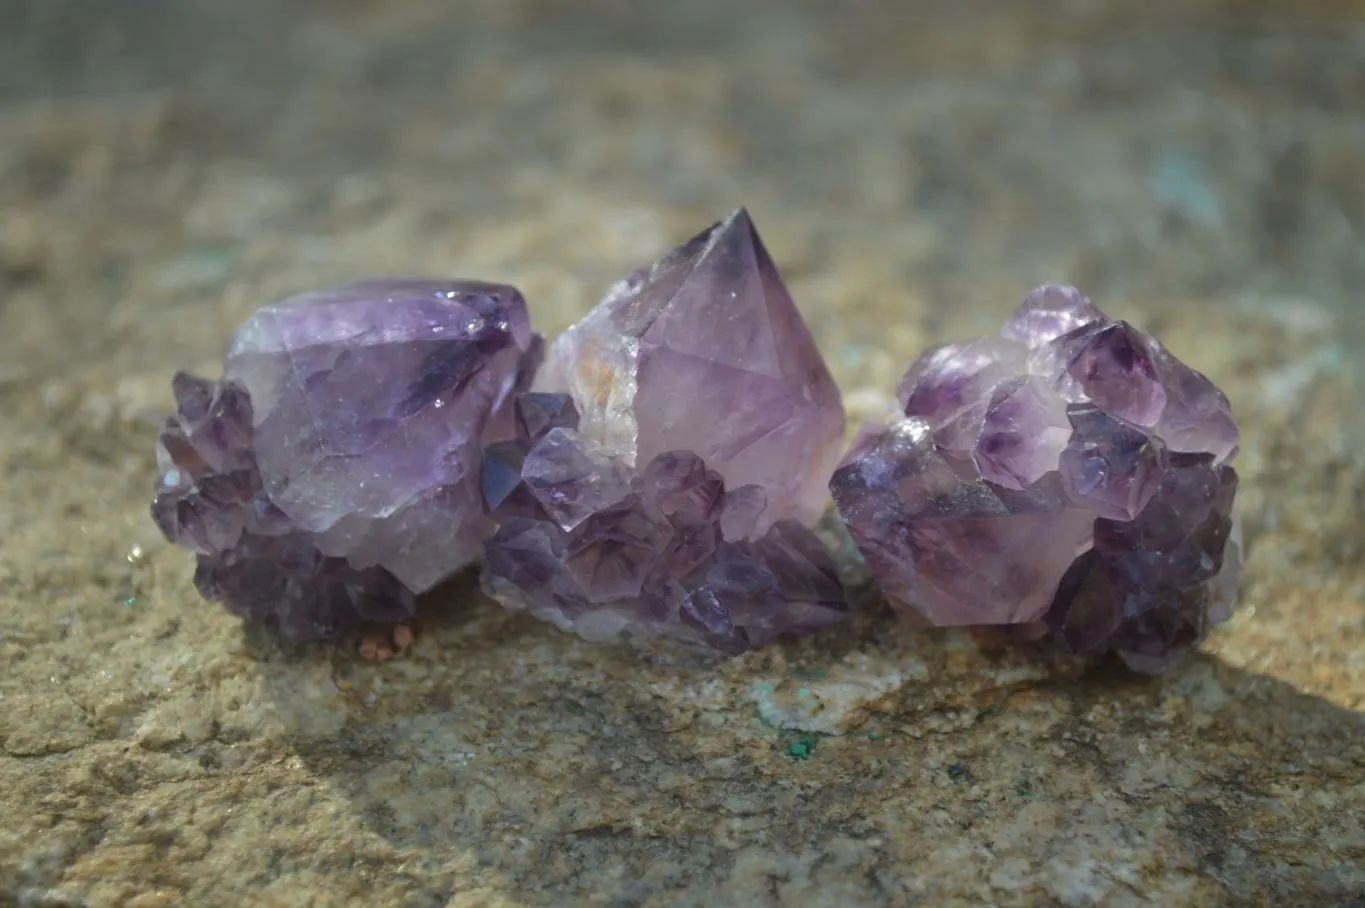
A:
[333, 472]
[597, 547]
[1069, 476]
[671, 491]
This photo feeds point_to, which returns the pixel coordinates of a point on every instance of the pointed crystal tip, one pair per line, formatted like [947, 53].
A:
[706, 351]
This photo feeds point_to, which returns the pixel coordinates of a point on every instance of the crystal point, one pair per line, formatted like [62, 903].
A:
[573, 477]
[1049, 312]
[705, 351]
[1070, 476]
[1111, 366]
[538, 414]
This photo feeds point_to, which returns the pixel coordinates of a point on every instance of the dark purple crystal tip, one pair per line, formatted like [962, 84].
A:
[1070, 475]
[334, 471]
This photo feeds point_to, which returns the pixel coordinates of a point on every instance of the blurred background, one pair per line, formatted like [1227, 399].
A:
[915, 165]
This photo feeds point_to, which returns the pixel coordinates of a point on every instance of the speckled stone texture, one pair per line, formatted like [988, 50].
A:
[166, 166]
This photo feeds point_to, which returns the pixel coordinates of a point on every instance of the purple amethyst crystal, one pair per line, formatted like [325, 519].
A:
[334, 471]
[705, 351]
[679, 506]
[605, 550]
[1071, 475]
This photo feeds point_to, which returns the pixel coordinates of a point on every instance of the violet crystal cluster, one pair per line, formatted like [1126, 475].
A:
[1069, 476]
[334, 471]
[595, 546]
[671, 491]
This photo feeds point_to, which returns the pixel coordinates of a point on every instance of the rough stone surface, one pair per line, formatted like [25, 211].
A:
[705, 351]
[605, 551]
[1069, 476]
[166, 166]
[335, 469]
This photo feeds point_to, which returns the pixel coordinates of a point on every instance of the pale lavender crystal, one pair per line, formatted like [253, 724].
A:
[1049, 312]
[606, 551]
[573, 477]
[956, 547]
[705, 351]
[1197, 417]
[335, 469]
[1110, 366]
[1070, 475]
[1024, 425]
[950, 387]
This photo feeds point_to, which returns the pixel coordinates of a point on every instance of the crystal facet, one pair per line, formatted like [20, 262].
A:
[335, 469]
[705, 351]
[605, 550]
[1070, 475]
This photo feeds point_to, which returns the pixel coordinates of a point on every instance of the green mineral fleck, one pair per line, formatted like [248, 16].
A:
[801, 748]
